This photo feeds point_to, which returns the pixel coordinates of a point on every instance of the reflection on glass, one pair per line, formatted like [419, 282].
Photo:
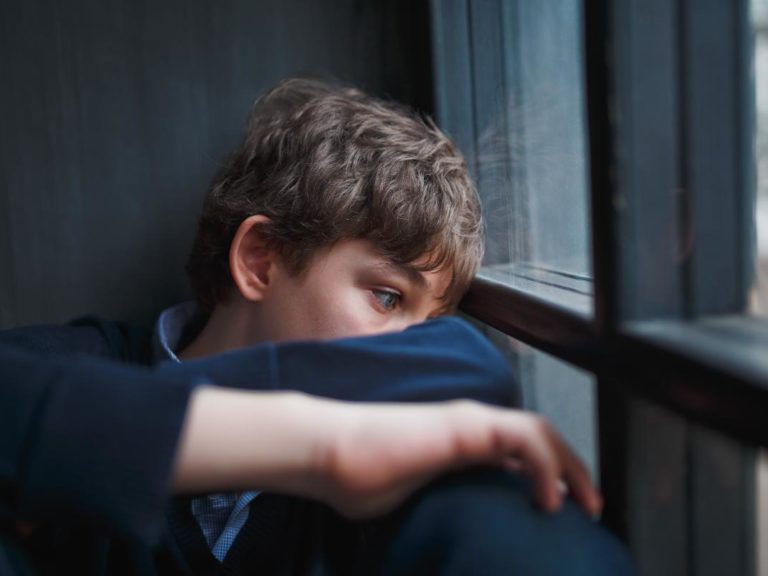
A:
[760, 27]
[532, 156]
[759, 301]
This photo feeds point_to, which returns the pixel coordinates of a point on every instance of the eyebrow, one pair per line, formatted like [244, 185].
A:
[409, 272]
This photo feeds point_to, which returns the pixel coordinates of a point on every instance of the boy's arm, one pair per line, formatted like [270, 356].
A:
[83, 437]
[364, 459]
[90, 437]
[443, 359]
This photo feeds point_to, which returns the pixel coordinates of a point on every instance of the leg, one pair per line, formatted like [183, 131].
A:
[483, 522]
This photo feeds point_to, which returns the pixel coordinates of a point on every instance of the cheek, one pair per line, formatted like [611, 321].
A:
[344, 312]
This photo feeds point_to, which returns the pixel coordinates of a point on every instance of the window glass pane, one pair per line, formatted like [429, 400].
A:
[759, 300]
[563, 394]
[510, 90]
[760, 28]
[566, 396]
[538, 218]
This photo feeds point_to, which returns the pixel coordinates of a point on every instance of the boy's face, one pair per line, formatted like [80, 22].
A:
[349, 289]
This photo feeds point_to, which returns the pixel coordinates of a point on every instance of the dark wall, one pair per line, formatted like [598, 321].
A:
[115, 113]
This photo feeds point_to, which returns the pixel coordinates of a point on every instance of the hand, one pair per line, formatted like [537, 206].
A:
[363, 459]
[376, 455]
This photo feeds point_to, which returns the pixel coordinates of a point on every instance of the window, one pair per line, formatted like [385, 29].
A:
[516, 107]
[612, 142]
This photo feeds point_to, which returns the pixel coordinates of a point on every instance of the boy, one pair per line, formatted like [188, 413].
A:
[339, 216]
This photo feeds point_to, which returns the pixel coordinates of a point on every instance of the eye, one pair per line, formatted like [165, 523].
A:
[387, 299]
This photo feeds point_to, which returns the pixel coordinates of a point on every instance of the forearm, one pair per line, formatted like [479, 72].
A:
[362, 459]
[235, 440]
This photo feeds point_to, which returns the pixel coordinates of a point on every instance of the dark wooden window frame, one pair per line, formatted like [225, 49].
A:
[670, 128]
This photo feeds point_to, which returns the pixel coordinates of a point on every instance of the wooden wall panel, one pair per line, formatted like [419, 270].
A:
[114, 115]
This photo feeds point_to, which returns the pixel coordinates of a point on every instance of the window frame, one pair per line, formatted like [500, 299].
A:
[670, 126]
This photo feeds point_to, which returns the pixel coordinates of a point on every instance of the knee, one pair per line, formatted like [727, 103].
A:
[484, 522]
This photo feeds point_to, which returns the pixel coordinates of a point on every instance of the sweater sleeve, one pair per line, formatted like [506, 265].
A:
[87, 438]
[443, 359]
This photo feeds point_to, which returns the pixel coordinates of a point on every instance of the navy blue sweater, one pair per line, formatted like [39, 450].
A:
[88, 431]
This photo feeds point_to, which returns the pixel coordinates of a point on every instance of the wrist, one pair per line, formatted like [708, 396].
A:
[306, 436]
[236, 440]
[321, 423]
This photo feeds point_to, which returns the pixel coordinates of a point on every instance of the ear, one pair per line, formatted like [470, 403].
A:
[251, 259]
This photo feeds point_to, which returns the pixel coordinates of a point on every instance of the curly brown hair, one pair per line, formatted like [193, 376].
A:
[326, 163]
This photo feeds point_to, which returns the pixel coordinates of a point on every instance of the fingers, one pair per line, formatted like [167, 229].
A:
[529, 439]
[538, 450]
[396, 449]
[577, 479]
